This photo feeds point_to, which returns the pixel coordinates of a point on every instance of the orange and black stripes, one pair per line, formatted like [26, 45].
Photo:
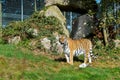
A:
[76, 47]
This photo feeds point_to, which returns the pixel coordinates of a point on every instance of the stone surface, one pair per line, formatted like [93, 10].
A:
[74, 4]
[46, 43]
[54, 46]
[117, 43]
[33, 32]
[57, 45]
[55, 11]
[14, 40]
[79, 6]
[60, 2]
[82, 27]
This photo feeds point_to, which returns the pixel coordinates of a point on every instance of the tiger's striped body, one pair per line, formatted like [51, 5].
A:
[75, 48]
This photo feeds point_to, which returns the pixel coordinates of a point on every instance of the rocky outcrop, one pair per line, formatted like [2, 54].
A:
[32, 32]
[82, 26]
[80, 6]
[55, 11]
[46, 43]
[52, 45]
[75, 5]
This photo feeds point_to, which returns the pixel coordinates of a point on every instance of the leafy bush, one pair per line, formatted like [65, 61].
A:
[45, 25]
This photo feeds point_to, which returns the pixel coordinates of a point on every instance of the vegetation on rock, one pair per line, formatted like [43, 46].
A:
[44, 27]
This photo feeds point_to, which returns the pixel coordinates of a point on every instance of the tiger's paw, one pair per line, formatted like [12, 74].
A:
[70, 63]
[83, 65]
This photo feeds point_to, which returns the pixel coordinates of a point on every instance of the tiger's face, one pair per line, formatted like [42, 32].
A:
[62, 39]
[63, 42]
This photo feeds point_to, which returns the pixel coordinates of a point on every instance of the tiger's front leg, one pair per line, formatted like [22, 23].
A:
[69, 59]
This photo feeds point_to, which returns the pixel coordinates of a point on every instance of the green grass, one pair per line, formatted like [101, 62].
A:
[21, 64]
[16, 52]
[87, 74]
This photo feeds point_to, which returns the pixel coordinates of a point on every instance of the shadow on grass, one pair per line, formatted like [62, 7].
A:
[61, 59]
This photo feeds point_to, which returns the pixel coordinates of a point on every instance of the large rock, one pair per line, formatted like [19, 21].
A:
[55, 11]
[32, 32]
[14, 40]
[52, 45]
[57, 46]
[77, 5]
[82, 27]
[46, 43]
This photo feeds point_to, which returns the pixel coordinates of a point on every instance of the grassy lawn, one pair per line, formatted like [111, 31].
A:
[21, 64]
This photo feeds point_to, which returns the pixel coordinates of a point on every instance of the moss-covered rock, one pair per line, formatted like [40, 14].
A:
[31, 31]
[74, 5]
[54, 11]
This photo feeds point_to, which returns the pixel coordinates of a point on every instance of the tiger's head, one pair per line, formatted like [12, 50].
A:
[63, 39]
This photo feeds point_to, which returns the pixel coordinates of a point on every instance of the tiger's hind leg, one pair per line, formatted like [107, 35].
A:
[71, 58]
[86, 58]
[89, 58]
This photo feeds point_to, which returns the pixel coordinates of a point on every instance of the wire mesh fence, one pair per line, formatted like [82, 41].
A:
[14, 10]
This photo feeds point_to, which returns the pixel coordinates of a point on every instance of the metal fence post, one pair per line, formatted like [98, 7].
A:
[0, 20]
[21, 10]
[35, 5]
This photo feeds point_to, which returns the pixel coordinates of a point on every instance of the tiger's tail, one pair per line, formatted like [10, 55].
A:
[94, 56]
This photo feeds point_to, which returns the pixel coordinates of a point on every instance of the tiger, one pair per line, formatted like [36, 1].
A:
[77, 47]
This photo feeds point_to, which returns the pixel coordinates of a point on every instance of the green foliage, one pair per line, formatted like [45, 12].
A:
[106, 52]
[45, 27]
[109, 20]
[16, 28]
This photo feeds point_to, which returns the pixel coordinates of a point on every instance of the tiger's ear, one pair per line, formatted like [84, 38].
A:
[59, 36]
[63, 36]
[65, 39]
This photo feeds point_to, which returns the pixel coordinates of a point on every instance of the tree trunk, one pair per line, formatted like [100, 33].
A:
[105, 36]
